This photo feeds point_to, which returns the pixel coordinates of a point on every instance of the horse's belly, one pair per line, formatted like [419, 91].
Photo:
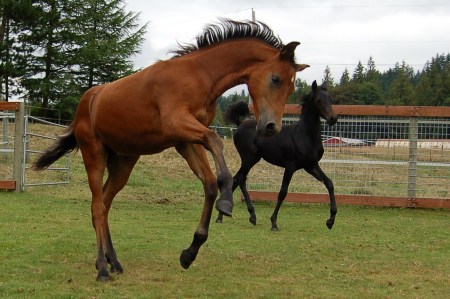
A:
[137, 146]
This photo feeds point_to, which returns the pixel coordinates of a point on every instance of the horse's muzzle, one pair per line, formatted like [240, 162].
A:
[332, 120]
[267, 129]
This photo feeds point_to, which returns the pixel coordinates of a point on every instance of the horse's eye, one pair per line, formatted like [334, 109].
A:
[276, 79]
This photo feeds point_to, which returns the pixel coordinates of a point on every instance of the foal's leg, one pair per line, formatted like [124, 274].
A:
[119, 170]
[317, 172]
[196, 157]
[287, 176]
[240, 179]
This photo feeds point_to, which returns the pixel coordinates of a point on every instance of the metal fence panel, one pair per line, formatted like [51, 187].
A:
[383, 156]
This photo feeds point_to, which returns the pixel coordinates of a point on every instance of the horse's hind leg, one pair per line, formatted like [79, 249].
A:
[317, 172]
[119, 170]
[94, 157]
[196, 157]
[287, 176]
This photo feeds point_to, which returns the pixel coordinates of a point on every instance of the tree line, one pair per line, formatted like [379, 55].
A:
[396, 86]
[52, 51]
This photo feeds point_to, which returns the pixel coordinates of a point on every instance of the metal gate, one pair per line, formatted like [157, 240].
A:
[39, 134]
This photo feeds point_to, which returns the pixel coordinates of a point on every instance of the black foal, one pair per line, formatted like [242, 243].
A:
[297, 146]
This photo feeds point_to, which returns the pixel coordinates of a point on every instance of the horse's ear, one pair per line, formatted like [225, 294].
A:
[324, 85]
[287, 52]
[314, 85]
[300, 67]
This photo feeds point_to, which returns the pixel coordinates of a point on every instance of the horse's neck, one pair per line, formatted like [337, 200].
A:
[228, 64]
[310, 122]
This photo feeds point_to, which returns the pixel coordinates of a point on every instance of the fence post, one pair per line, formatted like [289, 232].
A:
[412, 161]
[18, 147]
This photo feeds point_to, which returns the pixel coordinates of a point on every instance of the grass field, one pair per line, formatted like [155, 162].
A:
[47, 245]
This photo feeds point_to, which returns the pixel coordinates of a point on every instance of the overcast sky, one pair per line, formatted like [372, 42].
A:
[334, 33]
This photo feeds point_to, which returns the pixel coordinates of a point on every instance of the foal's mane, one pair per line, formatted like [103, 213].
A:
[228, 29]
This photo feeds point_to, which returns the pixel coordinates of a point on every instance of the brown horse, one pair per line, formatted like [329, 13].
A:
[171, 104]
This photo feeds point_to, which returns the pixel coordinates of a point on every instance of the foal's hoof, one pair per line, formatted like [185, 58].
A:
[116, 267]
[225, 207]
[103, 276]
[186, 258]
[219, 221]
[330, 223]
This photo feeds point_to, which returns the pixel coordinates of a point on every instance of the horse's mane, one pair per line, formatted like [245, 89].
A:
[228, 29]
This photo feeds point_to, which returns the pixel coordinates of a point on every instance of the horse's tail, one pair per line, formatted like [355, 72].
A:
[237, 112]
[65, 143]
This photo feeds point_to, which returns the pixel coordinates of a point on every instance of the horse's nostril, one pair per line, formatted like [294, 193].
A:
[270, 128]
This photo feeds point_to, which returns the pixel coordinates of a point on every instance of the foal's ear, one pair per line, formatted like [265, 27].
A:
[287, 52]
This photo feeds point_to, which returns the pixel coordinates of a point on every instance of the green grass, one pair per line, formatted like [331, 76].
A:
[48, 246]
[47, 250]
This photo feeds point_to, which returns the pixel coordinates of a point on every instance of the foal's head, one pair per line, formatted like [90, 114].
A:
[270, 84]
[320, 101]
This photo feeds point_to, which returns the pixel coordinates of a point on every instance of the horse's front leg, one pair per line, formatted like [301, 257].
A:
[211, 141]
[287, 176]
[317, 172]
[235, 185]
[196, 157]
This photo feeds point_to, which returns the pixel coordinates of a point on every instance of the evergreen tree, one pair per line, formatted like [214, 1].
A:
[107, 38]
[345, 78]
[358, 74]
[372, 74]
[60, 48]
[328, 78]
[43, 55]
[402, 91]
[13, 14]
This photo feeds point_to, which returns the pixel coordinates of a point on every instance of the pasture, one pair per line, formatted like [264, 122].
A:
[48, 245]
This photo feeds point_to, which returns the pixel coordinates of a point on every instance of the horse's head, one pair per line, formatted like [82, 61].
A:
[322, 103]
[270, 83]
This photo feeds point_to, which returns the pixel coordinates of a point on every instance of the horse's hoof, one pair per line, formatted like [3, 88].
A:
[219, 221]
[274, 229]
[186, 259]
[252, 220]
[103, 276]
[225, 207]
[116, 267]
[330, 224]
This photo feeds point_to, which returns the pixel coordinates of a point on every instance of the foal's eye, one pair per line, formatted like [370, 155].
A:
[276, 79]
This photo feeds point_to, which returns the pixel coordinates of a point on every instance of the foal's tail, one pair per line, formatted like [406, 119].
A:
[64, 144]
[237, 112]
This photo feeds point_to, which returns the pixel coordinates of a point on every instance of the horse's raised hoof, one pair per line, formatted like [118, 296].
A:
[225, 207]
[330, 223]
[186, 259]
[252, 220]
